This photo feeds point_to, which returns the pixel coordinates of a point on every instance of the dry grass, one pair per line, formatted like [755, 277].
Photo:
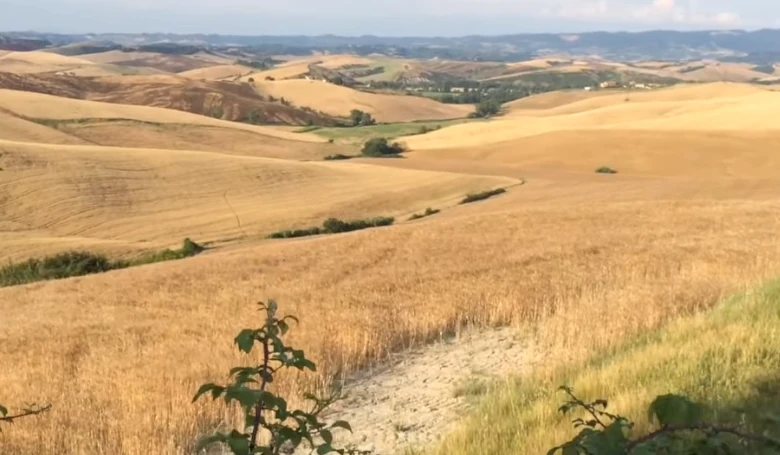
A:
[134, 345]
[738, 110]
[338, 100]
[727, 360]
[120, 354]
[218, 72]
[150, 198]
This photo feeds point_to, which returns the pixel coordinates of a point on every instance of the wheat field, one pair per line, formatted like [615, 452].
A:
[152, 198]
[690, 218]
[339, 100]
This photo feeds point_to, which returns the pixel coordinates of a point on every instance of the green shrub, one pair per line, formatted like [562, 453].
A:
[63, 265]
[379, 147]
[334, 226]
[80, 263]
[188, 249]
[482, 196]
[283, 429]
[605, 170]
[290, 234]
[428, 212]
[337, 157]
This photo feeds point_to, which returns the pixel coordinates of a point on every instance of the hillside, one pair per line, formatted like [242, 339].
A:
[506, 251]
[228, 100]
[338, 100]
[715, 130]
[107, 197]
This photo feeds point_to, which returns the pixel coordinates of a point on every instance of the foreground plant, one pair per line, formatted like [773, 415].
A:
[680, 430]
[31, 410]
[283, 429]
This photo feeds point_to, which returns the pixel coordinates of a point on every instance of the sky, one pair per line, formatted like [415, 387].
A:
[385, 18]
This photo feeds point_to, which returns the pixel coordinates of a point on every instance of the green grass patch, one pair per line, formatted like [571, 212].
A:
[726, 359]
[428, 212]
[334, 226]
[389, 130]
[475, 197]
[80, 263]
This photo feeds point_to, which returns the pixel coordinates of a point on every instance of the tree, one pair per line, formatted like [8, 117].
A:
[486, 108]
[360, 118]
[380, 147]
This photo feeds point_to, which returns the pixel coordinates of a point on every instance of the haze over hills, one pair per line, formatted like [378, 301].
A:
[751, 45]
[461, 225]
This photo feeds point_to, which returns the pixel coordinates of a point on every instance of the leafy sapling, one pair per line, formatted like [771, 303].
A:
[284, 429]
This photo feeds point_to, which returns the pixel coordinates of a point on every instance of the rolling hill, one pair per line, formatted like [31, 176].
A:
[59, 197]
[338, 100]
[719, 129]
[226, 100]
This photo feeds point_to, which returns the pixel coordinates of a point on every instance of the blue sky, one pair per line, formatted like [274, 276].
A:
[391, 18]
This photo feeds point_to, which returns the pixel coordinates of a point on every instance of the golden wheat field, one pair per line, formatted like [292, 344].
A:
[338, 100]
[690, 217]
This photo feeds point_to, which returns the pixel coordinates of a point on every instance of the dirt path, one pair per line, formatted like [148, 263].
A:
[422, 394]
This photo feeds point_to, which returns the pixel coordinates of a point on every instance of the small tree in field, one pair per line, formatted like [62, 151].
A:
[284, 429]
[379, 147]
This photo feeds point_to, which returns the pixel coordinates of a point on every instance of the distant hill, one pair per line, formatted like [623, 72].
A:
[613, 45]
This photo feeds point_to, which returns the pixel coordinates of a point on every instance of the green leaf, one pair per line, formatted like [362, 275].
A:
[245, 340]
[215, 390]
[238, 443]
[3, 411]
[342, 424]
[675, 410]
[283, 327]
[327, 436]
[325, 448]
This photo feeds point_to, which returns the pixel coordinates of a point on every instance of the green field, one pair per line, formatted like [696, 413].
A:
[392, 67]
[361, 134]
[727, 359]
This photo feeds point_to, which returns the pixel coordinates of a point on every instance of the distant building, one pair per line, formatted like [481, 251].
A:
[458, 90]
[608, 84]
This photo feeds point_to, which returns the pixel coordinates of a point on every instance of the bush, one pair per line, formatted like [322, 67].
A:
[487, 108]
[337, 226]
[63, 265]
[331, 140]
[428, 212]
[379, 147]
[79, 263]
[334, 226]
[482, 196]
[337, 157]
[605, 170]
[290, 234]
